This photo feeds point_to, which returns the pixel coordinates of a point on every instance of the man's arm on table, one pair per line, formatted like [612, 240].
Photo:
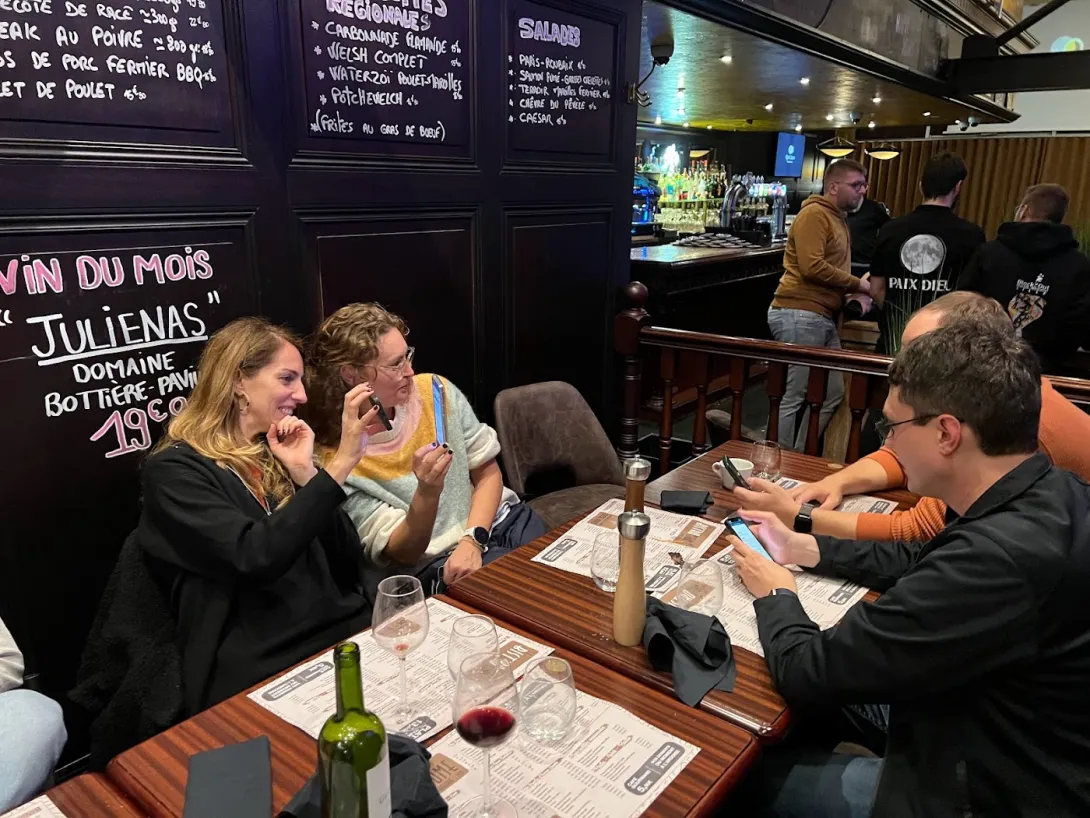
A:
[962, 613]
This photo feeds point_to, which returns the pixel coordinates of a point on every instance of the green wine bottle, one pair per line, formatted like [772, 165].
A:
[354, 761]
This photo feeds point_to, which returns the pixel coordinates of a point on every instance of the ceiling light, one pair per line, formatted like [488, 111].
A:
[798, 129]
[726, 58]
[658, 120]
[871, 124]
[957, 121]
[876, 100]
[829, 117]
[684, 124]
[768, 107]
[883, 150]
[927, 113]
[709, 127]
[804, 81]
[837, 147]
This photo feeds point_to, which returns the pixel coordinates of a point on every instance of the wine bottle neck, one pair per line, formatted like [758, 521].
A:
[349, 679]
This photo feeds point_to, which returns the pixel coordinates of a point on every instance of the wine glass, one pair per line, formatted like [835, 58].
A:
[469, 635]
[766, 456]
[605, 561]
[548, 699]
[400, 625]
[485, 712]
[700, 587]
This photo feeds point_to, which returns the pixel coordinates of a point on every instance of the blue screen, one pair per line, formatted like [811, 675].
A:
[741, 530]
[789, 150]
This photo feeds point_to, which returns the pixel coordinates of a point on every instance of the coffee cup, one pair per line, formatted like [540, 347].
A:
[745, 468]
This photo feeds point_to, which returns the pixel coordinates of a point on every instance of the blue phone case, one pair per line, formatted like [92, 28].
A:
[742, 531]
[439, 398]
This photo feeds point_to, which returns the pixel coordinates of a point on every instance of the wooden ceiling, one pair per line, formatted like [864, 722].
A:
[761, 72]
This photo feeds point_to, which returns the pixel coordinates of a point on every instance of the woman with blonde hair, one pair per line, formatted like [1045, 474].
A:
[241, 529]
[437, 505]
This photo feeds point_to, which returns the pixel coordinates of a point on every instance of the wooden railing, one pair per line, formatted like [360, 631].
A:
[633, 334]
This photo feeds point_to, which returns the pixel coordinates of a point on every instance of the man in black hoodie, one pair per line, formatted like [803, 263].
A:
[1035, 270]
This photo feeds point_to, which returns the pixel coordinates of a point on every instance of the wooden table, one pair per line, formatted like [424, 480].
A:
[697, 475]
[93, 796]
[155, 772]
[570, 611]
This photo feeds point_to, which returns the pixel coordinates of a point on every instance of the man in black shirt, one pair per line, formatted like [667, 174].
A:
[1035, 270]
[921, 255]
[864, 224]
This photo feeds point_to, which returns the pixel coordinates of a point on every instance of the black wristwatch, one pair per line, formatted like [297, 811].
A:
[479, 535]
[804, 522]
[783, 592]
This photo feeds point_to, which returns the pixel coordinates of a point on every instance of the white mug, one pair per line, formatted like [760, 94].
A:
[745, 468]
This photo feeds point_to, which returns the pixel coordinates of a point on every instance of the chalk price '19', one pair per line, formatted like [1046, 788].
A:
[136, 420]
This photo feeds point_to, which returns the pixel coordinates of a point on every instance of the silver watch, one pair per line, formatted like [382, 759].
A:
[479, 536]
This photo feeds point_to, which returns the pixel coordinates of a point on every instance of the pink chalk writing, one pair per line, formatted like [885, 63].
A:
[40, 276]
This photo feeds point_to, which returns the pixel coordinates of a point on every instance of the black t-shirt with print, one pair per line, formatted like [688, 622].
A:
[920, 255]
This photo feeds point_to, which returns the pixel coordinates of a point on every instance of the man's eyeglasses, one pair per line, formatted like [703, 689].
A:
[858, 186]
[399, 367]
[885, 427]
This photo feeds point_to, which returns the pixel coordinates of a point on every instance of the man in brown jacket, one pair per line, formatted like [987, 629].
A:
[817, 275]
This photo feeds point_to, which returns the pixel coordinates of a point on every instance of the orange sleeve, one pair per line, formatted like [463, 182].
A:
[920, 523]
[885, 458]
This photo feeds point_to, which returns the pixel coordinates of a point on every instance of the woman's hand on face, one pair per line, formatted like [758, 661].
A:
[430, 465]
[292, 443]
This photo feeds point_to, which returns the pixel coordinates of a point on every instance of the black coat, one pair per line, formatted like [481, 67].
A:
[980, 644]
[1035, 270]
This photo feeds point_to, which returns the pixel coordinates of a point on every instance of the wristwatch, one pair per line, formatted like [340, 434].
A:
[804, 523]
[479, 536]
[783, 592]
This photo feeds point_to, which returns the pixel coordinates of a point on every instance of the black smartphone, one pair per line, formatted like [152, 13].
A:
[735, 475]
[382, 416]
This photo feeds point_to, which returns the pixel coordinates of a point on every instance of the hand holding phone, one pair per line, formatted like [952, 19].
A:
[735, 475]
[439, 399]
[384, 419]
[741, 530]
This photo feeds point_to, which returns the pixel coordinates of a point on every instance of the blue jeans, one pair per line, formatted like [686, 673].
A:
[826, 785]
[812, 330]
[32, 736]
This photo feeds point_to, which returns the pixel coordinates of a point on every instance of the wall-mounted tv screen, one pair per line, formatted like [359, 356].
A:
[789, 150]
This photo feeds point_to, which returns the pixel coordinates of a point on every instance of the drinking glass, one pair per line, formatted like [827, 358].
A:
[548, 700]
[485, 712]
[700, 587]
[400, 625]
[605, 561]
[766, 458]
[469, 635]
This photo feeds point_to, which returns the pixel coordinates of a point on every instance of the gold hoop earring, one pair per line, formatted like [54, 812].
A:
[243, 404]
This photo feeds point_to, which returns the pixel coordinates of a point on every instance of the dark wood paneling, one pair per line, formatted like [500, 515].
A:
[421, 266]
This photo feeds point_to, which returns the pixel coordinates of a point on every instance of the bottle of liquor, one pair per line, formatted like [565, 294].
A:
[353, 759]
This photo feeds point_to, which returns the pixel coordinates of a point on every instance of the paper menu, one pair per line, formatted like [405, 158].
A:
[40, 807]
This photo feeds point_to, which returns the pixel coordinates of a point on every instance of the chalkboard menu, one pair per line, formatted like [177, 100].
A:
[559, 80]
[387, 72]
[146, 63]
[103, 342]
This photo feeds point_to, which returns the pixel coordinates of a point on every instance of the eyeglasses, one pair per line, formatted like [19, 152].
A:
[399, 367]
[858, 186]
[885, 427]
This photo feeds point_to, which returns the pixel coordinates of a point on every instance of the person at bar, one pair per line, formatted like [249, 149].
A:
[1064, 436]
[817, 275]
[437, 506]
[1035, 269]
[32, 733]
[978, 643]
[244, 533]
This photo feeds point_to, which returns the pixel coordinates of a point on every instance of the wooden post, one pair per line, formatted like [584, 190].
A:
[700, 422]
[775, 386]
[815, 397]
[626, 342]
[667, 368]
[738, 369]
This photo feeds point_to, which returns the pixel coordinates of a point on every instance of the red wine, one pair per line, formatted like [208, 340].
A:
[485, 726]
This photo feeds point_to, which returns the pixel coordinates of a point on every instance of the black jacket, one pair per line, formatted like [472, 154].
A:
[1036, 271]
[980, 644]
[864, 225]
[250, 593]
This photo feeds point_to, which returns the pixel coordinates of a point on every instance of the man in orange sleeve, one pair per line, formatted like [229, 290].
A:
[1064, 436]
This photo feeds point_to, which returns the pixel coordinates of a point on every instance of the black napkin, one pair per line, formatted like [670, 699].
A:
[412, 792]
[686, 502]
[693, 647]
[230, 782]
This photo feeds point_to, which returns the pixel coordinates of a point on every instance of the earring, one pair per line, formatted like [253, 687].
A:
[243, 404]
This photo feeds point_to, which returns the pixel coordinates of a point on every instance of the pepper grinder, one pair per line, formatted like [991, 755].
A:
[636, 472]
[630, 600]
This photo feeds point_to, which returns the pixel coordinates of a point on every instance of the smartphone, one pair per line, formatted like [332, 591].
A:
[384, 419]
[740, 530]
[735, 475]
[439, 396]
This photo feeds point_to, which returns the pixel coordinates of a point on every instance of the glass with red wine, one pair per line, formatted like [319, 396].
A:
[400, 624]
[485, 712]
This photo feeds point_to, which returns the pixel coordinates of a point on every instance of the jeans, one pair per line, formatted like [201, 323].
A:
[826, 785]
[32, 736]
[812, 330]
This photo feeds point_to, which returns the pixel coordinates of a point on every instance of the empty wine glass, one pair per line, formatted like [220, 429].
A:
[700, 587]
[485, 712]
[469, 635]
[548, 699]
[605, 561]
[400, 625]
[766, 456]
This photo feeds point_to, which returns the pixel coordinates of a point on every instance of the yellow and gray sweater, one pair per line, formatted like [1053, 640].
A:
[383, 484]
